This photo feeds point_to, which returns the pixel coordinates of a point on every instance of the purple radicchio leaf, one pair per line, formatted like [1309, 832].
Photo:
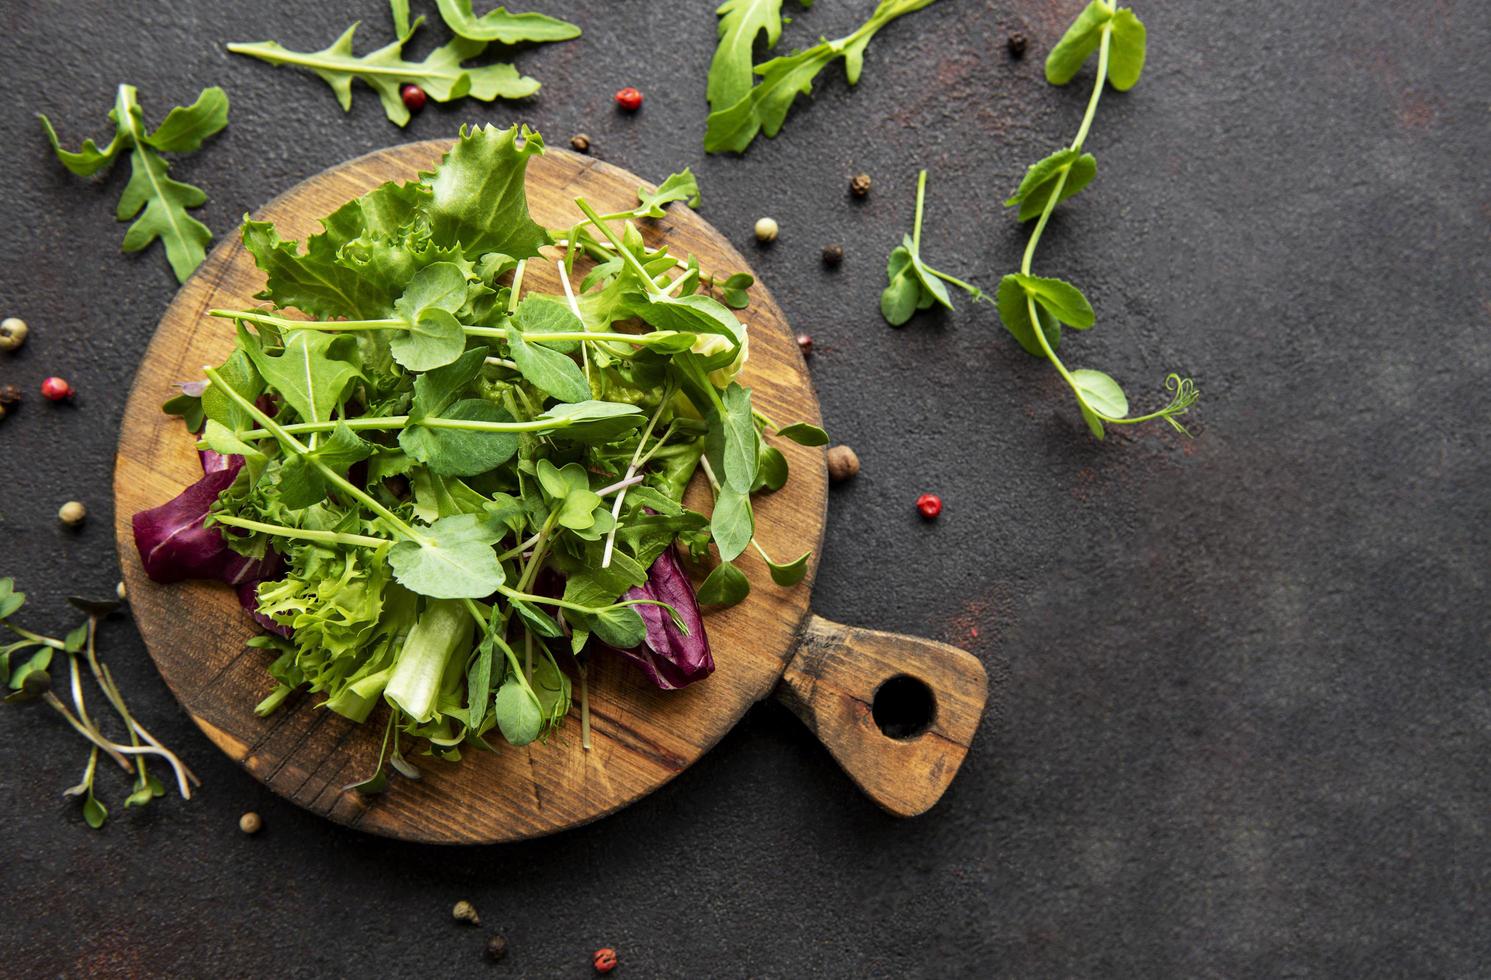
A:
[668, 657]
[174, 546]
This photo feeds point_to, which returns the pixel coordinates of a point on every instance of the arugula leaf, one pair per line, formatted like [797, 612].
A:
[1041, 179]
[764, 107]
[726, 585]
[741, 22]
[478, 197]
[309, 374]
[503, 27]
[399, 9]
[385, 71]
[157, 203]
[679, 186]
[456, 561]
[303, 484]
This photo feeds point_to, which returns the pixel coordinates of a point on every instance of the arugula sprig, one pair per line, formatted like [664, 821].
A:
[443, 74]
[25, 670]
[1034, 308]
[157, 203]
[764, 107]
[913, 285]
[741, 22]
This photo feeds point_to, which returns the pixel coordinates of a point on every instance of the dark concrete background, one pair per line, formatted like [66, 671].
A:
[1249, 710]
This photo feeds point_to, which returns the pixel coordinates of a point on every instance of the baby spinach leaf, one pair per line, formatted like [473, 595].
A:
[453, 451]
[726, 585]
[1041, 179]
[455, 562]
[732, 524]
[503, 27]
[593, 421]
[792, 572]
[804, 434]
[157, 203]
[519, 715]
[549, 370]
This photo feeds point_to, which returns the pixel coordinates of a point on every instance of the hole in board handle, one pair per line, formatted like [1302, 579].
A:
[904, 707]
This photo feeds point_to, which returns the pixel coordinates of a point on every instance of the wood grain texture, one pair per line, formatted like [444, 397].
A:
[642, 737]
[831, 685]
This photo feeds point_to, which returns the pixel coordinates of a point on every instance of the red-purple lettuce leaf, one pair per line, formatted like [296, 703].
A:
[668, 657]
[174, 546]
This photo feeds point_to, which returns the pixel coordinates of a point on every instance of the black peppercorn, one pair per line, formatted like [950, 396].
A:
[833, 255]
[1016, 45]
[496, 948]
[859, 186]
[580, 143]
[9, 395]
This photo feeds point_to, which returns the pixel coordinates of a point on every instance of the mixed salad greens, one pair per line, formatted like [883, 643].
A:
[444, 491]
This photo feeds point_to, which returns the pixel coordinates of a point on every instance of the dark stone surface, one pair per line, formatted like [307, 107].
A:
[1249, 712]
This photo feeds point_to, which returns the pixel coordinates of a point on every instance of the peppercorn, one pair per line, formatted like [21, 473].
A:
[496, 948]
[414, 97]
[13, 332]
[766, 230]
[859, 186]
[605, 960]
[10, 395]
[251, 823]
[929, 504]
[56, 389]
[72, 513]
[464, 911]
[580, 143]
[629, 99]
[833, 255]
[805, 343]
[1016, 45]
[843, 463]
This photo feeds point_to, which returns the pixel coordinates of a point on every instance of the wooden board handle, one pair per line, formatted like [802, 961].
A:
[897, 712]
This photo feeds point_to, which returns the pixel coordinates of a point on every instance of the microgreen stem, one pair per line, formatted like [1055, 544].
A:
[626, 255]
[49, 641]
[115, 752]
[330, 475]
[323, 537]
[631, 470]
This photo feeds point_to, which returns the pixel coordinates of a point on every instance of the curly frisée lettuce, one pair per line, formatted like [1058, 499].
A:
[445, 491]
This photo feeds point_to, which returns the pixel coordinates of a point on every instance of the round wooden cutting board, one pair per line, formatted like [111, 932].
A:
[642, 737]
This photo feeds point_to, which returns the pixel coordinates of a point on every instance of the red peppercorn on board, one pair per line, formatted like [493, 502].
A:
[833, 677]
